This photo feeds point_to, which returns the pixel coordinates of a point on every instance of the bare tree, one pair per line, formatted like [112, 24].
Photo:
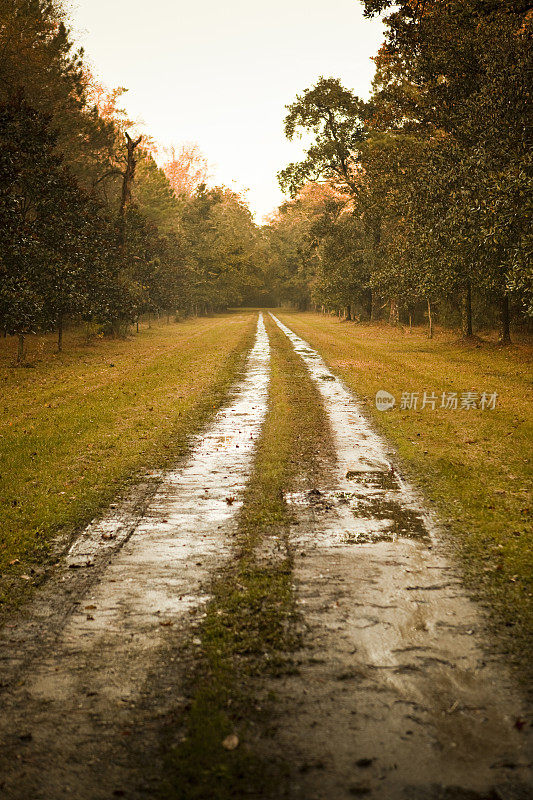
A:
[129, 172]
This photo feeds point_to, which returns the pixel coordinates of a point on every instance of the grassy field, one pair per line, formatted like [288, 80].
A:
[474, 465]
[77, 426]
[247, 628]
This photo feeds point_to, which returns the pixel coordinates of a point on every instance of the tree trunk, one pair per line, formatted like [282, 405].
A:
[348, 316]
[20, 352]
[127, 183]
[394, 314]
[370, 304]
[149, 320]
[137, 324]
[376, 245]
[466, 312]
[430, 320]
[129, 172]
[60, 334]
[410, 323]
[376, 235]
[505, 320]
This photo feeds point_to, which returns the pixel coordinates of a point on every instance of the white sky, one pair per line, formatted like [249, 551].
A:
[220, 72]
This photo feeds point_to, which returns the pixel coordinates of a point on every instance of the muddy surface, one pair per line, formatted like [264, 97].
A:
[398, 693]
[87, 678]
[396, 696]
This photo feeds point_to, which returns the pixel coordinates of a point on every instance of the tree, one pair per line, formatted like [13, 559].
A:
[458, 67]
[186, 169]
[438, 170]
[89, 225]
[219, 247]
[48, 228]
[335, 117]
[154, 196]
[128, 175]
[37, 57]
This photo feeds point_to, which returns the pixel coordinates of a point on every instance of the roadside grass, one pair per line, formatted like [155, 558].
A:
[474, 465]
[250, 627]
[79, 426]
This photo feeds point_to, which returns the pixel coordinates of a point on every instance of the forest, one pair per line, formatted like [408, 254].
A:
[417, 203]
[413, 206]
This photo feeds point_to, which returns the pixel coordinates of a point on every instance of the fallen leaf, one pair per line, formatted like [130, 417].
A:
[230, 742]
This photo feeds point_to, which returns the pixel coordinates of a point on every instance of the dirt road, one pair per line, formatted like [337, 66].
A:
[80, 672]
[397, 693]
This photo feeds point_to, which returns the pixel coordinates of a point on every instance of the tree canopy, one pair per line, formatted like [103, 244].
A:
[436, 163]
[91, 227]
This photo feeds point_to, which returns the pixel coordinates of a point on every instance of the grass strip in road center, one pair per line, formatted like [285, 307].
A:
[250, 626]
[80, 426]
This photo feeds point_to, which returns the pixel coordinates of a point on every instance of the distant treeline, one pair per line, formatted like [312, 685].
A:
[90, 227]
[414, 205]
[417, 203]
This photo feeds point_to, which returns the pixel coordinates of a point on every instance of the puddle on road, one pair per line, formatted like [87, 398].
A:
[206, 491]
[424, 702]
[186, 523]
[348, 424]
[369, 501]
[359, 518]
[145, 594]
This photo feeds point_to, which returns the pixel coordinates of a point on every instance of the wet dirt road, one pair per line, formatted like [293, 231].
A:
[397, 695]
[81, 706]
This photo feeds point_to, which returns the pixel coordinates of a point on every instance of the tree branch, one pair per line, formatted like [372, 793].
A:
[107, 174]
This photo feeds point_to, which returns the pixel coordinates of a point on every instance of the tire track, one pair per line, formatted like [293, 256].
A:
[399, 696]
[77, 709]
